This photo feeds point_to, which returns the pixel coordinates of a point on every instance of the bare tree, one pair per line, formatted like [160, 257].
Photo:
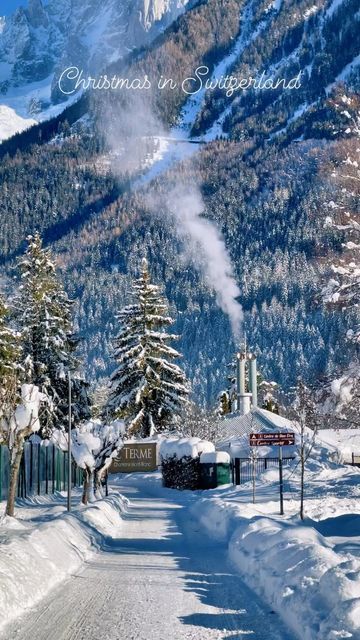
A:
[199, 422]
[302, 412]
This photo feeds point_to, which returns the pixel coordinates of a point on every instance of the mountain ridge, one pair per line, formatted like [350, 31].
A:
[265, 192]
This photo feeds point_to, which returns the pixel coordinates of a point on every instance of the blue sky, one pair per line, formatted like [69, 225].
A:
[8, 6]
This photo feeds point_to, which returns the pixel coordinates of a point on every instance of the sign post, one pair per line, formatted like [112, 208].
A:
[281, 440]
[281, 481]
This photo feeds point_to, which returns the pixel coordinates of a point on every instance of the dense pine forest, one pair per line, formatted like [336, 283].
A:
[266, 181]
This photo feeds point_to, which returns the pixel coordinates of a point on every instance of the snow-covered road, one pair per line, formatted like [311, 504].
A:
[161, 580]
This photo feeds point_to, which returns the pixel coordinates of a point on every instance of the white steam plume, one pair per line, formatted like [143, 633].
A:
[125, 128]
[208, 250]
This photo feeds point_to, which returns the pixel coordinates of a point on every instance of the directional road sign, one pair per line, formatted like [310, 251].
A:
[278, 439]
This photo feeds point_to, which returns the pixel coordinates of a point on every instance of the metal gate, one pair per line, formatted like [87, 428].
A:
[243, 469]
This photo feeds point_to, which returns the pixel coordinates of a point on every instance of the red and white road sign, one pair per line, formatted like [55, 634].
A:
[278, 439]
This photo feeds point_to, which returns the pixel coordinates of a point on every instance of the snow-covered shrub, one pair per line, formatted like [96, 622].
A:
[215, 457]
[94, 445]
[180, 461]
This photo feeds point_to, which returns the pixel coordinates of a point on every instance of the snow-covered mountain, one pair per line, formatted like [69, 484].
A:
[41, 40]
[264, 168]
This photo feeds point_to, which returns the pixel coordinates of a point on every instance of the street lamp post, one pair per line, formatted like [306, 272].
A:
[69, 446]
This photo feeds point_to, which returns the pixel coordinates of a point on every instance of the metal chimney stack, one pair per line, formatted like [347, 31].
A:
[253, 379]
[243, 398]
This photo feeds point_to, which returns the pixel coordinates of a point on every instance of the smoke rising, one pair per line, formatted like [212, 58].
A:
[208, 250]
[126, 129]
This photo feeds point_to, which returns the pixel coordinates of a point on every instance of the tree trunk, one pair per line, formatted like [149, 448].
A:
[98, 489]
[86, 486]
[91, 488]
[13, 484]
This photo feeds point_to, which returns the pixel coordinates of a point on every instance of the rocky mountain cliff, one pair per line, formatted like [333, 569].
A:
[42, 39]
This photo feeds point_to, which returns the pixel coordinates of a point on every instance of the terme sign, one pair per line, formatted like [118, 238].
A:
[135, 456]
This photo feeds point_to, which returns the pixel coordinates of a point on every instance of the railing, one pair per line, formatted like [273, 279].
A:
[243, 469]
[355, 460]
[43, 470]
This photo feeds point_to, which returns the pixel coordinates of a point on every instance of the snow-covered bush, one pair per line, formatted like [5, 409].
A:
[180, 461]
[18, 420]
[215, 457]
[94, 445]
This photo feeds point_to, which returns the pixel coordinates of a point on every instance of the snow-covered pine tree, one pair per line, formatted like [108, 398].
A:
[19, 403]
[343, 289]
[9, 360]
[339, 398]
[147, 389]
[9, 345]
[48, 343]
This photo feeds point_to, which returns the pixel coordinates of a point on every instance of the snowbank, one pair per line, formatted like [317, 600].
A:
[35, 557]
[344, 441]
[292, 566]
[215, 457]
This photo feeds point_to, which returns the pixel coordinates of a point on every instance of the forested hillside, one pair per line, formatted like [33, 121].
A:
[262, 174]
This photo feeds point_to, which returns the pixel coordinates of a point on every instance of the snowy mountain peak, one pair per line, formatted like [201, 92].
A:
[41, 40]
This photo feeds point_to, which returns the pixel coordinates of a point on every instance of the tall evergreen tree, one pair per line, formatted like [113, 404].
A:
[48, 343]
[9, 345]
[147, 389]
[9, 360]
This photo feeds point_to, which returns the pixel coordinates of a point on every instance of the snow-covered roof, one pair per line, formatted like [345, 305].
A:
[235, 425]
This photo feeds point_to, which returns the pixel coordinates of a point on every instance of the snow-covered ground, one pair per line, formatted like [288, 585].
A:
[44, 545]
[160, 580]
[165, 564]
[15, 106]
[309, 572]
[11, 122]
[344, 441]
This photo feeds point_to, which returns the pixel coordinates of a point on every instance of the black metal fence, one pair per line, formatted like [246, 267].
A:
[43, 470]
[243, 469]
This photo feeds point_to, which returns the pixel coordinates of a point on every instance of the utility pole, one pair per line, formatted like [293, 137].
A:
[69, 447]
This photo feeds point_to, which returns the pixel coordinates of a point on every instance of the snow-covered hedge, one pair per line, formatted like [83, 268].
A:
[184, 447]
[180, 461]
[215, 457]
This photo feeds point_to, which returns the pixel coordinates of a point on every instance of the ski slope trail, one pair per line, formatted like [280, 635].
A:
[161, 580]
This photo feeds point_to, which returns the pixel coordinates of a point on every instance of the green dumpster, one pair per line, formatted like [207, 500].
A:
[214, 469]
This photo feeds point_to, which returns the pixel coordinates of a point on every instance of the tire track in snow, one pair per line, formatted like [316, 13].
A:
[154, 583]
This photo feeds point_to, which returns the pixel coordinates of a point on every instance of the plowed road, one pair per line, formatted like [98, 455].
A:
[161, 581]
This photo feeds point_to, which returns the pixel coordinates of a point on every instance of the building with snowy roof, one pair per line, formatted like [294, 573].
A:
[233, 430]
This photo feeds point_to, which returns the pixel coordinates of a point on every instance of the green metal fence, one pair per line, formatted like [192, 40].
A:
[43, 470]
